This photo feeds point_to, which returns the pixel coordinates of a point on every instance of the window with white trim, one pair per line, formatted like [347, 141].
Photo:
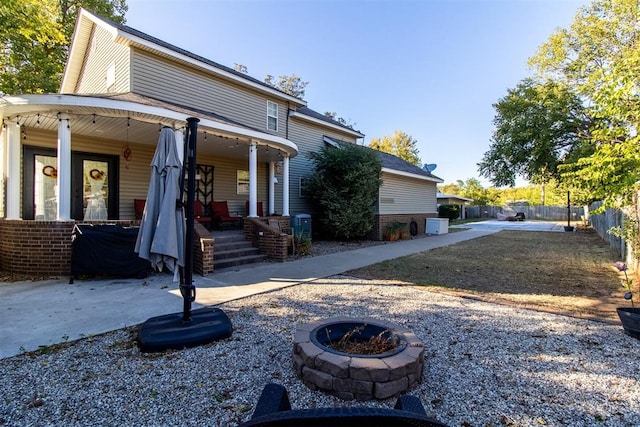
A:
[242, 182]
[272, 116]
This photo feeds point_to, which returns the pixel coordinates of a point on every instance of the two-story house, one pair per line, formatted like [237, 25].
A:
[98, 134]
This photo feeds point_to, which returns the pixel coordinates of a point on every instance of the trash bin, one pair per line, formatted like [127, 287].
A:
[301, 225]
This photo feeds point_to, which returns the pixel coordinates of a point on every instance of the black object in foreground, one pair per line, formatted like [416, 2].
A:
[273, 409]
[171, 332]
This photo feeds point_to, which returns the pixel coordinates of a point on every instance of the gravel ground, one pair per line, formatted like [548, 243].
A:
[485, 365]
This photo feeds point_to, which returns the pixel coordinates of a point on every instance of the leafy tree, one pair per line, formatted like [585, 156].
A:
[240, 68]
[599, 58]
[344, 189]
[35, 36]
[341, 120]
[449, 189]
[537, 127]
[400, 145]
[472, 189]
[292, 85]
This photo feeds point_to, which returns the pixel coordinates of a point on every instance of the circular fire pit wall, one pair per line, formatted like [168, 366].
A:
[357, 376]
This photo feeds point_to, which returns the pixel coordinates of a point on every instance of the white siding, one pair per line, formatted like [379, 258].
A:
[102, 54]
[404, 195]
[159, 78]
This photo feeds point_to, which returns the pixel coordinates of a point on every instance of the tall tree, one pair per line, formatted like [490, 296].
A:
[472, 189]
[449, 189]
[599, 58]
[344, 122]
[400, 144]
[35, 37]
[292, 85]
[240, 68]
[537, 127]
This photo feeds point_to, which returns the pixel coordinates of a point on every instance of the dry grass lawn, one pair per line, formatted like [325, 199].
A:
[569, 273]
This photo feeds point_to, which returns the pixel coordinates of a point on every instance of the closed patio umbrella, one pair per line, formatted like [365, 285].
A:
[161, 240]
[162, 228]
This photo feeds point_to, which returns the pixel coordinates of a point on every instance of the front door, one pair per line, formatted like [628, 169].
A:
[94, 185]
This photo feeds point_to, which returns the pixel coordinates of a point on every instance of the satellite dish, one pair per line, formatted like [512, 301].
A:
[430, 167]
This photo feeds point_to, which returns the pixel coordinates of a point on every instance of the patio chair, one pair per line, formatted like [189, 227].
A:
[220, 215]
[138, 207]
[259, 210]
[273, 409]
[199, 216]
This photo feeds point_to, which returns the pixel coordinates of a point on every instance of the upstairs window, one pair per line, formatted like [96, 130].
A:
[272, 116]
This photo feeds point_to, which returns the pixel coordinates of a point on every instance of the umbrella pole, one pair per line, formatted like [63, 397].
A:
[187, 289]
[197, 327]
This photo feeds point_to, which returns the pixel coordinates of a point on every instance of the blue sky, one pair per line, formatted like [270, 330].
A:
[430, 68]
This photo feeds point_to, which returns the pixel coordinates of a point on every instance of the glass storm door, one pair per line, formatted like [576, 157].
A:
[45, 189]
[94, 186]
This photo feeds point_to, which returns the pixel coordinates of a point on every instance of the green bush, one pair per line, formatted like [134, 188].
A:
[344, 190]
[449, 211]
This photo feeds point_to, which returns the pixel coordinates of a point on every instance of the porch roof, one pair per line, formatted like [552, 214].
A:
[137, 118]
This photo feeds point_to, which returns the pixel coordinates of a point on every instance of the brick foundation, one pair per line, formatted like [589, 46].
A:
[381, 221]
[43, 248]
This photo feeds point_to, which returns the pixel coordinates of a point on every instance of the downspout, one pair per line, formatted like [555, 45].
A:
[286, 128]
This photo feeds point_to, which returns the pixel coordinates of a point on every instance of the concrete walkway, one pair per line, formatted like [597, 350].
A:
[34, 314]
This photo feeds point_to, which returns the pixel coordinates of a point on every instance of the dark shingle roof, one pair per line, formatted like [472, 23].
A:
[390, 161]
[311, 113]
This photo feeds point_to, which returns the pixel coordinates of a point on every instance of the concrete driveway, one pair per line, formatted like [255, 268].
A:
[494, 224]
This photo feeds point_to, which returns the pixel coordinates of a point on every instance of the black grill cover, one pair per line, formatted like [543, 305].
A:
[106, 250]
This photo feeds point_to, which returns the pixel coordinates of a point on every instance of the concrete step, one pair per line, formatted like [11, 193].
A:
[234, 252]
[231, 249]
[234, 262]
[231, 245]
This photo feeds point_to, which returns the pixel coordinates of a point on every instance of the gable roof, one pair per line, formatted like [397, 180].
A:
[311, 115]
[129, 36]
[392, 164]
[453, 197]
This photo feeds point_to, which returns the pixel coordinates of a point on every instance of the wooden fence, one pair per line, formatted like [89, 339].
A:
[611, 218]
[602, 222]
[549, 213]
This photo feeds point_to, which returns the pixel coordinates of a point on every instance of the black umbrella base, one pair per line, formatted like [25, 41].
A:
[170, 332]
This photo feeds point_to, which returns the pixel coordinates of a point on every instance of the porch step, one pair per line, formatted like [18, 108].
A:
[231, 250]
[234, 262]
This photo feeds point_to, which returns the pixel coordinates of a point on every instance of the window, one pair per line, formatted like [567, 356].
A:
[304, 192]
[242, 182]
[272, 116]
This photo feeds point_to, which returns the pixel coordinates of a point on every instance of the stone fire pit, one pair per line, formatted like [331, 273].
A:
[357, 376]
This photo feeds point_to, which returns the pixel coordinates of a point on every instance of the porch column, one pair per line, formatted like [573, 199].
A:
[12, 170]
[272, 187]
[253, 179]
[285, 186]
[64, 169]
[180, 144]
